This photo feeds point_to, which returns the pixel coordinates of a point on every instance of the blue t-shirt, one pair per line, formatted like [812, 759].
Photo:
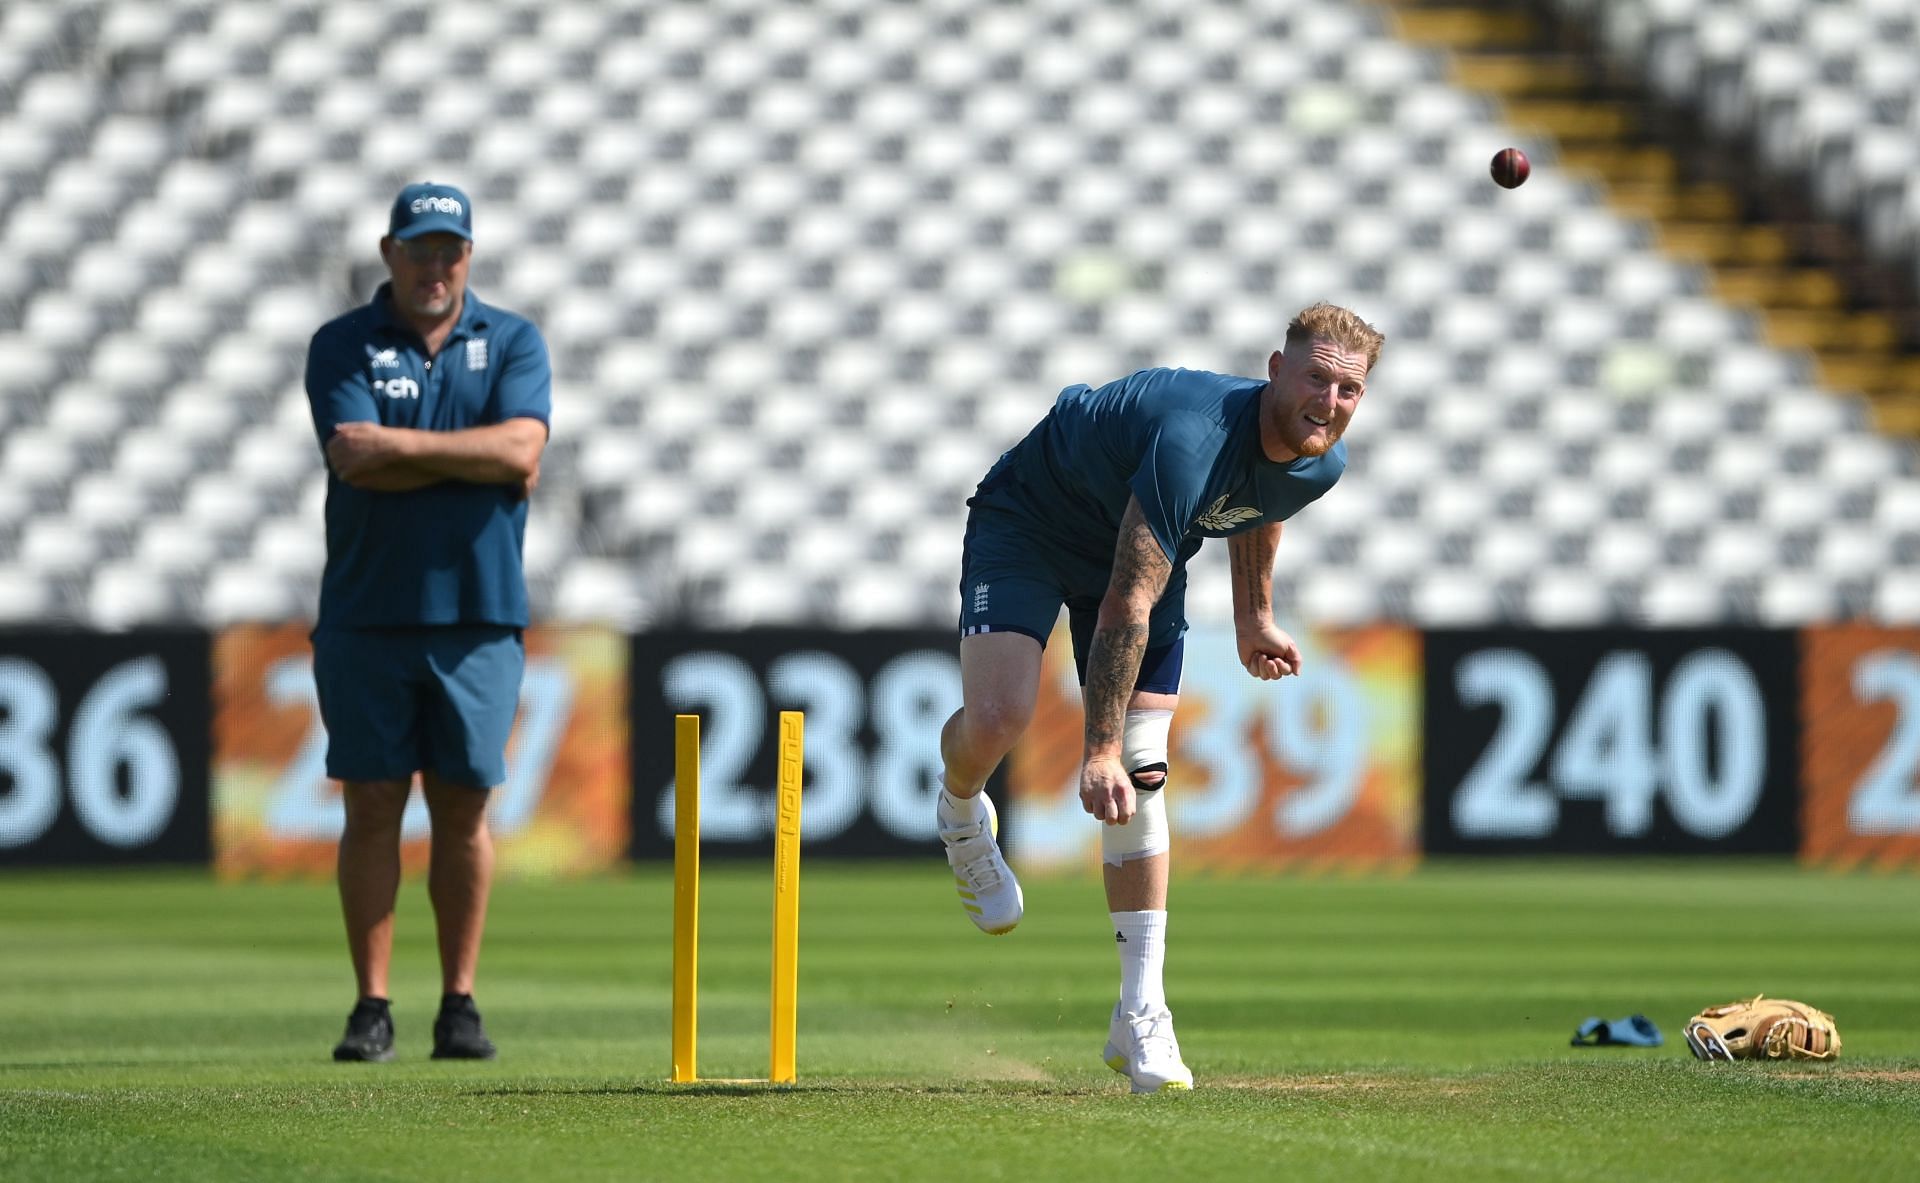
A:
[448, 553]
[1185, 442]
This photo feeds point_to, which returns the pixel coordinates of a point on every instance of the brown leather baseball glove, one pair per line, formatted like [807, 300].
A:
[1762, 1028]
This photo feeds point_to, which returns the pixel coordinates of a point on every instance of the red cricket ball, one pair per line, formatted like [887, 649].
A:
[1510, 168]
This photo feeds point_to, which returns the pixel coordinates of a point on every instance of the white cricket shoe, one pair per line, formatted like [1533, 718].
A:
[988, 890]
[1142, 1048]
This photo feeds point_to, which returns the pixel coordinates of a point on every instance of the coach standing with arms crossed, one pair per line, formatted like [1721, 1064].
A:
[432, 409]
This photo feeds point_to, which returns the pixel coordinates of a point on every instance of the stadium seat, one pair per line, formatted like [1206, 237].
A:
[1570, 599]
[24, 598]
[123, 595]
[1824, 89]
[598, 591]
[806, 271]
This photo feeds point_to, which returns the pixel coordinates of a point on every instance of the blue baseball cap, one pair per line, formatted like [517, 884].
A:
[427, 208]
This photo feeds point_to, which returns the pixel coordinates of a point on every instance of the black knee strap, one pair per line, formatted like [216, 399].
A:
[1136, 773]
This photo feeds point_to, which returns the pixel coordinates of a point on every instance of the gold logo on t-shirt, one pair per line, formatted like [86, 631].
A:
[1219, 517]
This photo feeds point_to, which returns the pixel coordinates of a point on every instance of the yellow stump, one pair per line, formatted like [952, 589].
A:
[786, 898]
[686, 893]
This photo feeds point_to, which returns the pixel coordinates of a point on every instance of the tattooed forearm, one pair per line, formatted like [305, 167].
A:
[1140, 567]
[1112, 666]
[1140, 573]
[1251, 555]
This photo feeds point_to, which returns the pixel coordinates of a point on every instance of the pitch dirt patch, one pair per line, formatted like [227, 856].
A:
[1009, 1069]
[1335, 1083]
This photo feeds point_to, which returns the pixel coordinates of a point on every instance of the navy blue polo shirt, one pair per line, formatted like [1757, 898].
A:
[1185, 442]
[448, 553]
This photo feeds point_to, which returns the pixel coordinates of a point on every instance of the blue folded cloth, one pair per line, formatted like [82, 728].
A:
[1632, 1031]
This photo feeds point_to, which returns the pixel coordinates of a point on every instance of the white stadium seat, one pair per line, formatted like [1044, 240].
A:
[1569, 599]
[806, 271]
[24, 596]
[123, 595]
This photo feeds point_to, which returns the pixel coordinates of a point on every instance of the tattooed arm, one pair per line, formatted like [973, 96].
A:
[1265, 651]
[1140, 573]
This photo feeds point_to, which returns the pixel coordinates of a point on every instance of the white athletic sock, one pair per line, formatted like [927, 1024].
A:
[957, 812]
[1141, 938]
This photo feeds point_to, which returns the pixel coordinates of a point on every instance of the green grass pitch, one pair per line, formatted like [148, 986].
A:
[160, 1026]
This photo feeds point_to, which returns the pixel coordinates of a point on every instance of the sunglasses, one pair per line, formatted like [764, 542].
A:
[445, 253]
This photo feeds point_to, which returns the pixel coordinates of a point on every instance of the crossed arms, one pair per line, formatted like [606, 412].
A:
[399, 459]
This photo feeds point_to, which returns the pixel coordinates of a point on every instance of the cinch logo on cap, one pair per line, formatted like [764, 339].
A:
[428, 208]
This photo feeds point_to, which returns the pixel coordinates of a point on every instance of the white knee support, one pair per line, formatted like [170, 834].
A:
[1143, 749]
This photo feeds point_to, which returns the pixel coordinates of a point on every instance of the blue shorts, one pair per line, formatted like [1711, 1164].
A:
[1011, 582]
[400, 701]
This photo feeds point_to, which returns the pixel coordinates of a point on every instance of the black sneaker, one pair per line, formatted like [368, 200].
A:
[369, 1034]
[457, 1033]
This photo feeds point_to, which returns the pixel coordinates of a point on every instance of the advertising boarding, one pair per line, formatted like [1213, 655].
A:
[1860, 747]
[563, 809]
[103, 747]
[1311, 772]
[1611, 741]
[874, 704]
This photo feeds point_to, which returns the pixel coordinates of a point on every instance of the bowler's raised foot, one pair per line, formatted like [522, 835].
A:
[988, 891]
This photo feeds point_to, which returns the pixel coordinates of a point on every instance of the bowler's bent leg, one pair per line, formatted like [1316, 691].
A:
[1000, 680]
[999, 684]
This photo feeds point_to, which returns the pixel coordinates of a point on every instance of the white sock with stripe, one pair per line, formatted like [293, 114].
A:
[1141, 940]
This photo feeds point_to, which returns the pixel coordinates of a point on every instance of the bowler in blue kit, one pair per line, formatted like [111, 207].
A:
[432, 411]
[1183, 444]
[1098, 510]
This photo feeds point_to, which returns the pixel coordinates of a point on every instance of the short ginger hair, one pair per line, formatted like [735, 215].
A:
[1338, 326]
